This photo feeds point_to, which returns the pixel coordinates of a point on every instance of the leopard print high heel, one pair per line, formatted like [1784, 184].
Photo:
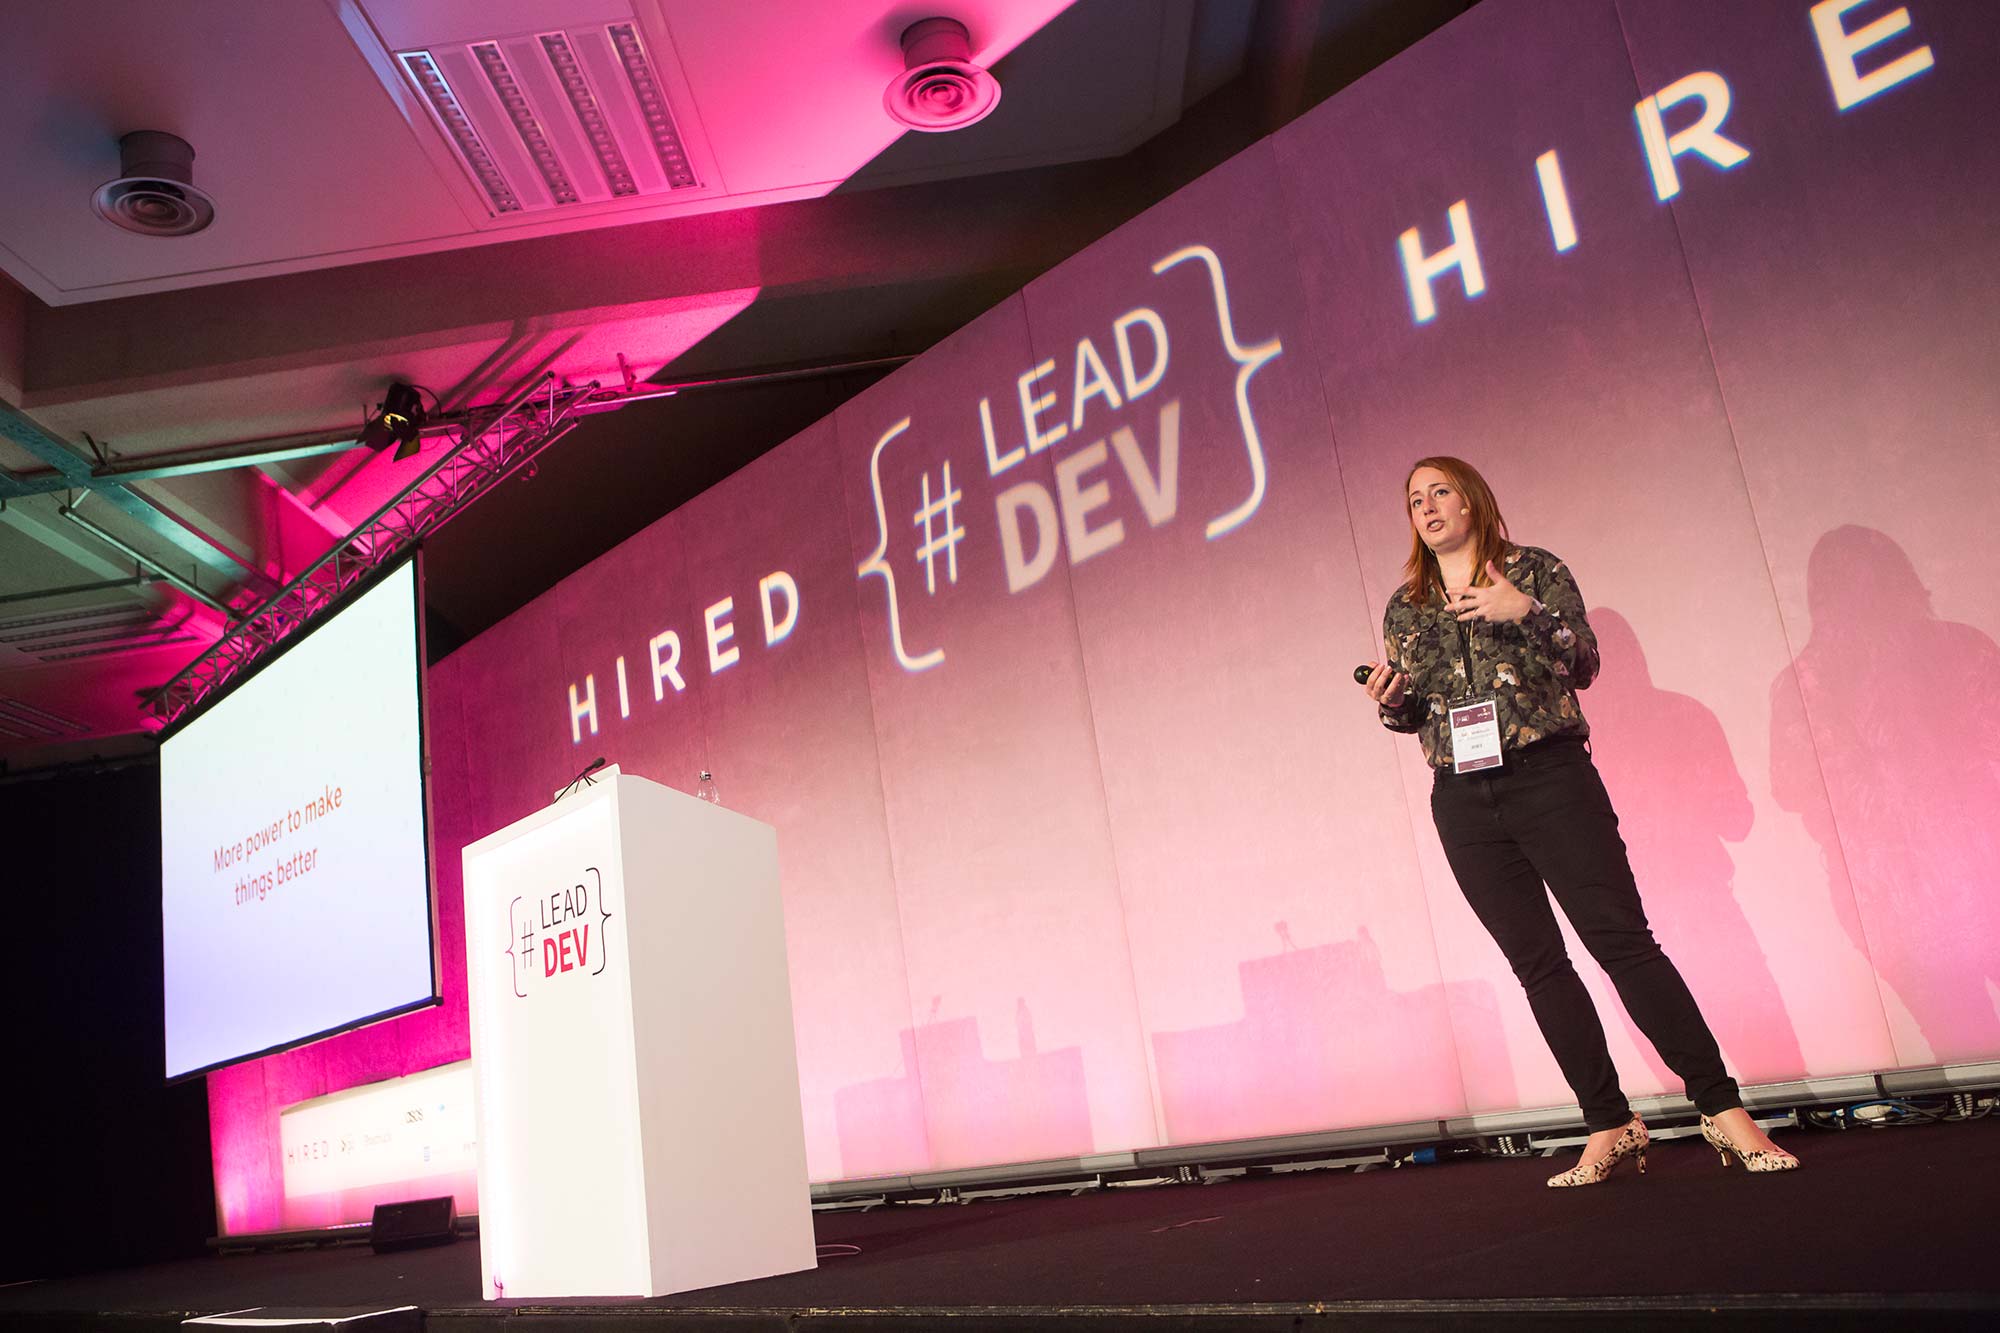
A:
[1770, 1159]
[1632, 1141]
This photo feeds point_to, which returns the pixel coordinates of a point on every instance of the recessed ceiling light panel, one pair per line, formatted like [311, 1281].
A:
[557, 119]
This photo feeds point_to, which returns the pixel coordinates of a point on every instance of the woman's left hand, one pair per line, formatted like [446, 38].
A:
[1499, 601]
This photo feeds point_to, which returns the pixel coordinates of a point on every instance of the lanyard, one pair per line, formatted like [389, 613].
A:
[1464, 650]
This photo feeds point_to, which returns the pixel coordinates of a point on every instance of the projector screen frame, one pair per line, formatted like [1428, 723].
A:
[414, 562]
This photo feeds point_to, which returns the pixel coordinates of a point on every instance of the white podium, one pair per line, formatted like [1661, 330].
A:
[638, 1092]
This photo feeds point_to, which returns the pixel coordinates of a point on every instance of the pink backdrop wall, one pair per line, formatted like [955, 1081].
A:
[1105, 851]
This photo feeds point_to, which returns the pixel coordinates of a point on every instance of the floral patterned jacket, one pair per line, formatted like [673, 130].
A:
[1533, 669]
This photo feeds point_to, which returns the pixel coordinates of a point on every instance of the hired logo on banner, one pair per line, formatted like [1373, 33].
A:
[559, 937]
[401, 1131]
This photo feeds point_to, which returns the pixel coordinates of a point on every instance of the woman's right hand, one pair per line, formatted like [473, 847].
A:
[1386, 685]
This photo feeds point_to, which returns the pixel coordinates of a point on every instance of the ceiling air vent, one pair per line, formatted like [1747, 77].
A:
[154, 194]
[940, 89]
[554, 120]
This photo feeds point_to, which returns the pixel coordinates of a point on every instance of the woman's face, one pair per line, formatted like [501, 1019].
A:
[1437, 511]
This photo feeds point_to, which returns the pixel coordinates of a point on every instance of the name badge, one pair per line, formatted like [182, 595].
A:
[1475, 736]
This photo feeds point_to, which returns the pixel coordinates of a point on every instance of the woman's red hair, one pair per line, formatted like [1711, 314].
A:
[1422, 578]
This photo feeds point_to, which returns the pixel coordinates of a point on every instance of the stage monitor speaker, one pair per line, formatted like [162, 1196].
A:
[413, 1223]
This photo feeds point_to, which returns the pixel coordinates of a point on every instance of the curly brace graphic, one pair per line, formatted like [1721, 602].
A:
[514, 963]
[1249, 361]
[875, 564]
[603, 921]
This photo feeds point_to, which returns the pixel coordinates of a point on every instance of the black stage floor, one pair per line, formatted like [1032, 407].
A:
[1884, 1227]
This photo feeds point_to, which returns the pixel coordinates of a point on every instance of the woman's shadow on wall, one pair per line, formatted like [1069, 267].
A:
[1680, 799]
[1897, 713]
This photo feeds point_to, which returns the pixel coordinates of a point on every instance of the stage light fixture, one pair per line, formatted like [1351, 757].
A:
[398, 420]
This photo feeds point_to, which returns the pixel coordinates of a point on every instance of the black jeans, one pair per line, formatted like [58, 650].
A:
[1543, 818]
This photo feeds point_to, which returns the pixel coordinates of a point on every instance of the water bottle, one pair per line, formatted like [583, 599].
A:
[705, 789]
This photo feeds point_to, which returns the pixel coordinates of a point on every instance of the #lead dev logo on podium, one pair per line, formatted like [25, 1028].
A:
[560, 937]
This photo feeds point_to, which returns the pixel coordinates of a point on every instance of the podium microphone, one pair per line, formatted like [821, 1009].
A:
[582, 779]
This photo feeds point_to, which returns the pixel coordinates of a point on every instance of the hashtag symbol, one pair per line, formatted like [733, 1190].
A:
[946, 541]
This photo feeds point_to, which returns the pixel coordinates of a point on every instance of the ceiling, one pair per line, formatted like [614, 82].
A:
[178, 415]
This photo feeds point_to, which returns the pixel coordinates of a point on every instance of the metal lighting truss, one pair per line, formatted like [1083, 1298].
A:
[485, 455]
